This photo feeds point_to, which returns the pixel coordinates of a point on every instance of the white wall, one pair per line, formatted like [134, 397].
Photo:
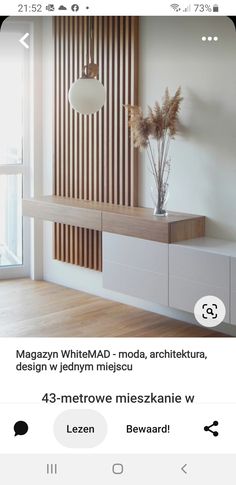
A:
[203, 170]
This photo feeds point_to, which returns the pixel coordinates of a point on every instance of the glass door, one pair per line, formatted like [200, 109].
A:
[13, 133]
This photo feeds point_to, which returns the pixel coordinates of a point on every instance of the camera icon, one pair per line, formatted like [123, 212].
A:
[209, 311]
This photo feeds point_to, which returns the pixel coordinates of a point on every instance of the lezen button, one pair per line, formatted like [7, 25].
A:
[80, 429]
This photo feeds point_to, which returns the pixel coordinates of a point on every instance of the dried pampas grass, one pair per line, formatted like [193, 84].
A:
[161, 124]
[161, 120]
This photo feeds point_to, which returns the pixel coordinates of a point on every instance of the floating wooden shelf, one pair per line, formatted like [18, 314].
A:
[130, 221]
[66, 210]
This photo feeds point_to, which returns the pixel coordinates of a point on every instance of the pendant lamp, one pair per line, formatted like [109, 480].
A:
[87, 94]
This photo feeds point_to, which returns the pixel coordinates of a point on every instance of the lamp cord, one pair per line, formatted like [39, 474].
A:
[91, 39]
[91, 69]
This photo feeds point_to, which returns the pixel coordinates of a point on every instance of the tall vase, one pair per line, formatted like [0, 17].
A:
[159, 198]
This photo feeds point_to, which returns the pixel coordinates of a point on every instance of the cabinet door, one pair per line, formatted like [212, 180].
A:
[194, 274]
[136, 267]
[233, 291]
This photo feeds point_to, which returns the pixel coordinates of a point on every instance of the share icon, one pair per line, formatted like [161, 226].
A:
[208, 428]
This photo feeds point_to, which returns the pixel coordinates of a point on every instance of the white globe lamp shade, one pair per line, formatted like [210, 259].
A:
[87, 96]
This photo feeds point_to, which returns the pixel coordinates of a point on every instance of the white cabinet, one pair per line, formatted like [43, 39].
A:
[194, 273]
[136, 267]
[174, 275]
[233, 291]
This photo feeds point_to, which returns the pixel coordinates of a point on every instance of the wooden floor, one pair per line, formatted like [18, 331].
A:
[41, 309]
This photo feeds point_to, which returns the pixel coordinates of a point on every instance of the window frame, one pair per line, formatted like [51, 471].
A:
[24, 168]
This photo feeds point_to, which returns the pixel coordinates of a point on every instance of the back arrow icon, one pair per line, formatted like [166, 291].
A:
[22, 41]
[183, 469]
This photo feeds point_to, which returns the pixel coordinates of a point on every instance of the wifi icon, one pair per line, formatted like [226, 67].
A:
[176, 7]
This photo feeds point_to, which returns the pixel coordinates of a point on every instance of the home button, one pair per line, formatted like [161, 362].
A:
[117, 468]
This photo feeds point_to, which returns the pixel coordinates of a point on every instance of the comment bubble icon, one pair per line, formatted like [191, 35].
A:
[20, 428]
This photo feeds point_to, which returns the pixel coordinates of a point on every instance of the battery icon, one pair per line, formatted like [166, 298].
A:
[215, 8]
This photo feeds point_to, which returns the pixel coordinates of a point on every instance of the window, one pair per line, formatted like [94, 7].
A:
[13, 139]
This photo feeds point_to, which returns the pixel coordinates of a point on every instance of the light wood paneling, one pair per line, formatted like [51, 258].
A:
[94, 155]
[40, 309]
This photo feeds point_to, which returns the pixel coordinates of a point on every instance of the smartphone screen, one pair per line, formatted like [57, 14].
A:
[117, 243]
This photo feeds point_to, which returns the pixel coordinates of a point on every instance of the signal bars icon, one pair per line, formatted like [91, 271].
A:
[187, 9]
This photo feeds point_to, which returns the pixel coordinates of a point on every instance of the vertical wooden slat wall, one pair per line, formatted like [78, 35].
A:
[94, 155]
